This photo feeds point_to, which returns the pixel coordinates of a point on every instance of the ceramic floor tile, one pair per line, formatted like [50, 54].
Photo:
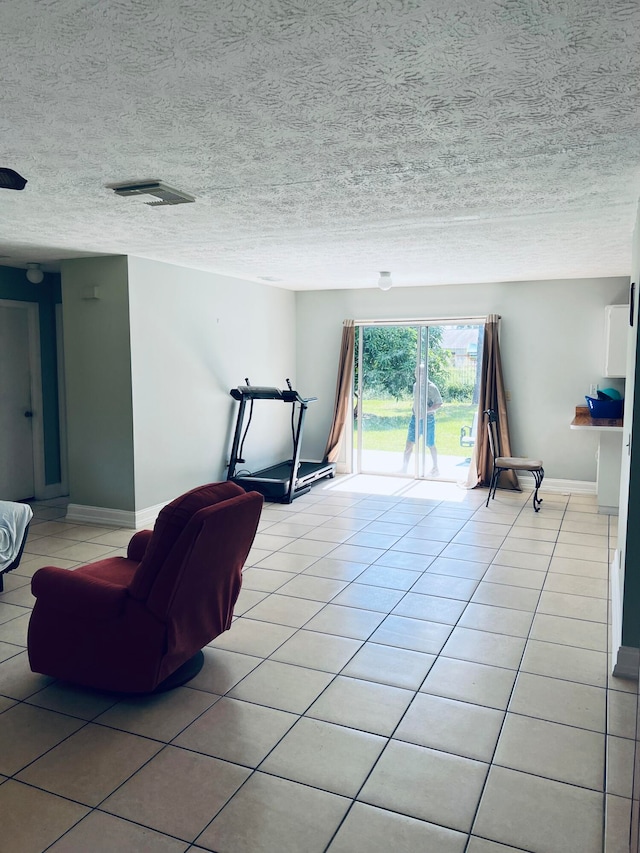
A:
[313, 749]
[620, 756]
[621, 714]
[269, 542]
[368, 829]
[177, 792]
[560, 701]
[484, 540]
[285, 609]
[473, 553]
[426, 784]
[484, 647]
[388, 576]
[247, 599]
[368, 597]
[282, 562]
[310, 547]
[15, 632]
[458, 568]
[389, 665]
[16, 679]
[568, 662]
[617, 823]
[582, 552]
[582, 568]
[222, 670]
[161, 716]
[236, 731]
[27, 732]
[362, 705]
[19, 804]
[445, 586]
[90, 764]
[574, 606]
[251, 637]
[271, 815]
[522, 560]
[496, 620]
[104, 833]
[312, 588]
[416, 634]
[481, 845]
[512, 576]
[470, 682]
[415, 545]
[373, 540]
[264, 580]
[345, 621]
[11, 611]
[594, 587]
[283, 686]
[521, 531]
[341, 570]
[570, 632]
[357, 553]
[456, 727]
[317, 651]
[74, 701]
[503, 595]
[529, 546]
[84, 552]
[552, 750]
[430, 607]
[539, 815]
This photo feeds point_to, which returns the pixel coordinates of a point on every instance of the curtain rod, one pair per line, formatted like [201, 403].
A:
[433, 321]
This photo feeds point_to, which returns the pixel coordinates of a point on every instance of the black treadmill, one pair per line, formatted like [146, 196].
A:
[284, 481]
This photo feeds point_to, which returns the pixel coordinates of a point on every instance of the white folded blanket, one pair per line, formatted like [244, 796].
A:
[14, 518]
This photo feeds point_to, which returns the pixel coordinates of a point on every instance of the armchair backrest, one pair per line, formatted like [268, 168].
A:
[170, 524]
[197, 587]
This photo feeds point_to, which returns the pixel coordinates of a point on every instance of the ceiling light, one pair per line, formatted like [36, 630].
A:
[384, 282]
[34, 273]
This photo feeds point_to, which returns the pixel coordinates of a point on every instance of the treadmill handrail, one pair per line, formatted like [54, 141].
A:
[256, 392]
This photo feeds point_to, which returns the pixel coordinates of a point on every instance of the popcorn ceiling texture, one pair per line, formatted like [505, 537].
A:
[446, 141]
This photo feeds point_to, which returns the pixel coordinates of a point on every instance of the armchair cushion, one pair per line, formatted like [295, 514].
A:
[74, 592]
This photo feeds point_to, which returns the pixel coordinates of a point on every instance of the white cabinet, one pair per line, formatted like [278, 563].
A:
[616, 331]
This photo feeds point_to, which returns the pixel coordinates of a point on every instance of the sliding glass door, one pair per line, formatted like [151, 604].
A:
[416, 399]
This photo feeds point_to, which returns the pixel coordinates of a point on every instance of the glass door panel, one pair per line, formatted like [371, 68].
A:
[416, 391]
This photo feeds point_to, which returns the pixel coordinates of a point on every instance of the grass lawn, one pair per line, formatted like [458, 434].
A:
[385, 425]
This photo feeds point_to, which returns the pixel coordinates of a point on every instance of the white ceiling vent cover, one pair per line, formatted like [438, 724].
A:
[167, 195]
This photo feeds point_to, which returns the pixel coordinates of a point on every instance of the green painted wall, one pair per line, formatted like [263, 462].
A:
[14, 285]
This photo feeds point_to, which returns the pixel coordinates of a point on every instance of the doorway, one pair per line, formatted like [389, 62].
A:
[19, 390]
[416, 398]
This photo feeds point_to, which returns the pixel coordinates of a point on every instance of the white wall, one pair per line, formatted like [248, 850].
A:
[98, 383]
[552, 336]
[194, 336]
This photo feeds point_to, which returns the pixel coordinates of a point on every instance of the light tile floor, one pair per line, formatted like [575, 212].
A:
[407, 671]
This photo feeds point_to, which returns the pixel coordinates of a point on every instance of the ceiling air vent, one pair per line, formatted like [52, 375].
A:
[167, 195]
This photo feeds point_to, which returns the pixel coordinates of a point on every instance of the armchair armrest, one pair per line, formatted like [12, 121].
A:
[138, 545]
[73, 592]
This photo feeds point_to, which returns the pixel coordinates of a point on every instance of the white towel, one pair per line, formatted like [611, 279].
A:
[14, 518]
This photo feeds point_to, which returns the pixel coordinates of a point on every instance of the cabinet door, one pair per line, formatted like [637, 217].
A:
[616, 332]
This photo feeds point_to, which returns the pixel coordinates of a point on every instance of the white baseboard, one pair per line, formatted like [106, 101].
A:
[627, 662]
[564, 487]
[131, 519]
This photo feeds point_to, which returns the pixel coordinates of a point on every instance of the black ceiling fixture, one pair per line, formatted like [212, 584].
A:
[10, 180]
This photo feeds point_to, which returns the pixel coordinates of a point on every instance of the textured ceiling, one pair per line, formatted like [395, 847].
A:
[444, 140]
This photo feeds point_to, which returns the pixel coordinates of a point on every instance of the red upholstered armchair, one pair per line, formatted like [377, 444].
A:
[134, 623]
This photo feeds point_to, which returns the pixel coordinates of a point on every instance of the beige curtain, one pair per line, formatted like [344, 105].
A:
[492, 396]
[343, 391]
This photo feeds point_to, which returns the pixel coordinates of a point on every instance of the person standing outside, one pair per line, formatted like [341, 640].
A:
[434, 401]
